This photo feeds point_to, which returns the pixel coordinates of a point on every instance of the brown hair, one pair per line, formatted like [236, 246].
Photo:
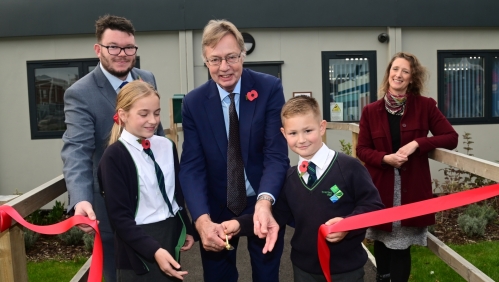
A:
[126, 98]
[216, 29]
[419, 75]
[300, 105]
[113, 23]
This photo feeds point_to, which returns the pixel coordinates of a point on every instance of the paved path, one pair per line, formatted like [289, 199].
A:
[191, 261]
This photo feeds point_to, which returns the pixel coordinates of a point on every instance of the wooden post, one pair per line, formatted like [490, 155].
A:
[355, 140]
[13, 255]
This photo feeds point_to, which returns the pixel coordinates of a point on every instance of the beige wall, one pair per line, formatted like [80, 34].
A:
[175, 59]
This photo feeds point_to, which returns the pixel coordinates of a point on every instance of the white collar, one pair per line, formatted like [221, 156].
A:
[131, 139]
[319, 158]
[115, 82]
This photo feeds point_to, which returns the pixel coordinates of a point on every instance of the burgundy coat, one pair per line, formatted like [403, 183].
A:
[421, 116]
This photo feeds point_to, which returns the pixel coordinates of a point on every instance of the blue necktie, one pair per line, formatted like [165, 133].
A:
[236, 185]
[312, 176]
[123, 84]
[161, 179]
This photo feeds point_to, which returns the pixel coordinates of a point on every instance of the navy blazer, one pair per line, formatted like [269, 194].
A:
[203, 165]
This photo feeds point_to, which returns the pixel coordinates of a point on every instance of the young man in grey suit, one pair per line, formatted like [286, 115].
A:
[89, 107]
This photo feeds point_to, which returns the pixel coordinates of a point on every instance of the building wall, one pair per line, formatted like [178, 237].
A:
[175, 59]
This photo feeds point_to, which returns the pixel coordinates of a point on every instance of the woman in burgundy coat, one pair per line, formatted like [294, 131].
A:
[394, 144]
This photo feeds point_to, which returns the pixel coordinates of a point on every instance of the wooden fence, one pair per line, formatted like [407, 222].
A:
[12, 250]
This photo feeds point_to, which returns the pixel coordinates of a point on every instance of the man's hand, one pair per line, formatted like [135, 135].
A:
[264, 224]
[212, 234]
[262, 218]
[189, 241]
[85, 208]
[168, 265]
[335, 237]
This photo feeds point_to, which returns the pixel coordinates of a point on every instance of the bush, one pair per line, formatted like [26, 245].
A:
[56, 213]
[475, 219]
[472, 225]
[30, 238]
[346, 147]
[88, 240]
[73, 236]
[484, 211]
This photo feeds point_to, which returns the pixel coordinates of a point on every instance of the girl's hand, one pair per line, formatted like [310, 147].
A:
[168, 265]
[189, 241]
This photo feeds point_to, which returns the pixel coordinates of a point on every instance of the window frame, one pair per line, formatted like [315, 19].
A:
[326, 86]
[82, 65]
[488, 57]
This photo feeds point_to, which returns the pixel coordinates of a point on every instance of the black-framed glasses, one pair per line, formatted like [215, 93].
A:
[230, 59]
[116, 50]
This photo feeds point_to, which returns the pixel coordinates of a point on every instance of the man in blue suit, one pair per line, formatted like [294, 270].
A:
[258, 101]
[89, 107]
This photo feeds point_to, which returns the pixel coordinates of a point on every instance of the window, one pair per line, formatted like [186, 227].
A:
[349, 83]
[468, 86]
[47, 82]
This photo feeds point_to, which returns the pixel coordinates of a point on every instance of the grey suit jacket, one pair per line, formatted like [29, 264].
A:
[89, 106]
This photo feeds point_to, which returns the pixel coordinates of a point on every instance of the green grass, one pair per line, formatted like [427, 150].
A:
[426, 266]
[53, 270]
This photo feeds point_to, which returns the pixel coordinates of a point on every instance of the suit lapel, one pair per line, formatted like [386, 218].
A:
[104, 86]
[214, 112]
[246, 112]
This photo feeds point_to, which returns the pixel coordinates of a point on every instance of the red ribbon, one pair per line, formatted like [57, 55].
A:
[8, 212]
[399, 213]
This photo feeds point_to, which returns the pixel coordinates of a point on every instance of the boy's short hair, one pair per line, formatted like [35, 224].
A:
[300, 105]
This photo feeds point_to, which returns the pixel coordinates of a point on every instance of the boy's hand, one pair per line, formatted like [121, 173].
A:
[189, 241]
[335, 237]
[168, 265]
[231, 227]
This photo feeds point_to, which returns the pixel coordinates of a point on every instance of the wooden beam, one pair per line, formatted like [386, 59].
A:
[353, 127]
[30, 201]
[6, 198]
[82, 274]
[463, 267]
[484, 168]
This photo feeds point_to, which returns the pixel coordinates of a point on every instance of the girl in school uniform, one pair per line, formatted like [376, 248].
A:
[138, 175]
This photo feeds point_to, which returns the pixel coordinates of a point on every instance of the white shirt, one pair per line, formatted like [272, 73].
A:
[151, 205]
[321, 159]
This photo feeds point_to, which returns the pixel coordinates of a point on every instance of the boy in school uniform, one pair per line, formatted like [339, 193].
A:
[325, 187]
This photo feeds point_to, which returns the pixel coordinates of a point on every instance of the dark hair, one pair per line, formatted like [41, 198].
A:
[113, 23]
[419, 75]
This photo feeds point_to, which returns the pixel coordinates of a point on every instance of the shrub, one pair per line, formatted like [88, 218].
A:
[346, 147]
[475, 219]
[88, 240]
[481, 211]
[71, 237]
[56, 213]
[472, 225]
[30, 238]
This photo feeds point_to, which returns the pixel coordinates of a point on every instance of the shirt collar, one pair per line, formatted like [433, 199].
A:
[115, 82]
[131, 139]
[320, 158]
[224, 93]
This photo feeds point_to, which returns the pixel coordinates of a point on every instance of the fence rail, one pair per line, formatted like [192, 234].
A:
[12, 250]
